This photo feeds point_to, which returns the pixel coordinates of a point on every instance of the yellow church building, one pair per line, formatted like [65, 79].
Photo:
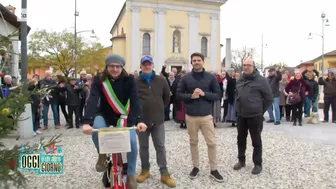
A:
[170, 31]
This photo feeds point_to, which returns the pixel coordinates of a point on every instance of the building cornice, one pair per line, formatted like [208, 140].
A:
[174, 7]
[207, 2]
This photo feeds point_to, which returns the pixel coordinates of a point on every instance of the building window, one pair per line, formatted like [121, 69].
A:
[146, 44]
[204, 46]
[177, 41]
[122, 31]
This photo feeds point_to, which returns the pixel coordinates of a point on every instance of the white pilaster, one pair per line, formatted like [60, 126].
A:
[160, 38]
[194, 43]
[215, 44]
[135, 38]
[15, 59]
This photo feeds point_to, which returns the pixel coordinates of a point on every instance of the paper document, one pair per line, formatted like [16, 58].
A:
[111, 142]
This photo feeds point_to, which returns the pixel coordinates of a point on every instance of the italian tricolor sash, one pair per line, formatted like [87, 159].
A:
[115, 103]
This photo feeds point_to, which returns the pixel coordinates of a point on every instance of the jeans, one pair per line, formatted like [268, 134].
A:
[99, 122]
[309, 102]
[157, 131]
[45, 111]
[276, 104]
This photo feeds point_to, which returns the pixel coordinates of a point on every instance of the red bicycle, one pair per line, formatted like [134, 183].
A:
[115, 176]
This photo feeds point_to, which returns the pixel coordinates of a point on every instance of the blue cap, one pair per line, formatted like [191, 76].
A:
[146, 59]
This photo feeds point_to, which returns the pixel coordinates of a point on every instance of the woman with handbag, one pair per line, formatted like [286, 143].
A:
[297, 90]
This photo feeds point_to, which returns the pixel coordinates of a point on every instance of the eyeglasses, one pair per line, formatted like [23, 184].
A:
[114, 67]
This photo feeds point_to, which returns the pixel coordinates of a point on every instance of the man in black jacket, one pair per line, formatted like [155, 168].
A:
[274, 78]
[73, 101]
[254, 97]
[126, 113]
[199, 90]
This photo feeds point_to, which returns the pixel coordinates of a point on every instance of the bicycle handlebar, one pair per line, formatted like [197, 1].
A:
[114, 129]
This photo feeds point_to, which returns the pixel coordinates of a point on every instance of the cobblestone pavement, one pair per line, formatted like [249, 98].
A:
[294, 158]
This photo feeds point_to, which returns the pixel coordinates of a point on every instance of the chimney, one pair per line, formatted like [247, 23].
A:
[11, 9]
[228, 54]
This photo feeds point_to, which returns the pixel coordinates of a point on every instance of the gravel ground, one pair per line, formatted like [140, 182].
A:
[288, 163]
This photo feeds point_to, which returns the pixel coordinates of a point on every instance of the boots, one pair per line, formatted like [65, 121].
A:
[300, 122]
[132, 183]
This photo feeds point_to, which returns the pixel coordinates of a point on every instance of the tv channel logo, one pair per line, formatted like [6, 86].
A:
[49, 160]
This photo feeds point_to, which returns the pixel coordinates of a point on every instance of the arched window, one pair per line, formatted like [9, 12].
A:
[204, 46]
[177, 41]
[122, 30]
[146, 44]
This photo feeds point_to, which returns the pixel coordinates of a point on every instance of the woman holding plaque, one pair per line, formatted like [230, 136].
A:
[119, 106]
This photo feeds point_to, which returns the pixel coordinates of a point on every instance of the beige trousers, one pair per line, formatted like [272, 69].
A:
[205, 124]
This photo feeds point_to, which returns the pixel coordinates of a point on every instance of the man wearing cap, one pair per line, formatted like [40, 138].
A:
[73, 101]
[154, 97]
[274, 78]
[119, 106]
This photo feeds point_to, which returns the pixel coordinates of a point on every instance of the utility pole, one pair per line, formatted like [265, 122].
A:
[75, 45]
[23, 36]
[262, 53]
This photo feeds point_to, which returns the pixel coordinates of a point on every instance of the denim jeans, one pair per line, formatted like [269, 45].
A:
[309, 102]
[99, 122]
[276, 104]
[45, 111]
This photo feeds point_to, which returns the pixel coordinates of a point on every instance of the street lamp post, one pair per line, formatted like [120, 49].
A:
[75, 33]
[325, 22]
[75, 37]
[262, 52]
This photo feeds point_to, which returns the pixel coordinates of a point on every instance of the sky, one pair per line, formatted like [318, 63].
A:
[284, 24]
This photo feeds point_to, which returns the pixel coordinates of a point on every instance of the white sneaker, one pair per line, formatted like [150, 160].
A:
[38, 132]
[34, 133]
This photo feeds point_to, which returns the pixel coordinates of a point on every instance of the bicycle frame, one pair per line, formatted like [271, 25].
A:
[116, 172]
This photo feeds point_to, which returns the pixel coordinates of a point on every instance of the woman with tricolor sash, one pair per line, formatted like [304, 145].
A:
[119, 106]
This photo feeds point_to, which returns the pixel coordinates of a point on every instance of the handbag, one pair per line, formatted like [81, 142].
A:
[296, 98]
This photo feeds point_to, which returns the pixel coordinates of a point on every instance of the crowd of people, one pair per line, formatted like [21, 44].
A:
[198, 100]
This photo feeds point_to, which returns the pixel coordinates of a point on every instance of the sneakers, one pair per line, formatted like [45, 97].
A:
[194, 173]
[100, 165]
[277, 123]
[167, 180]
[215, 175]
[38, 132]
[143, 176]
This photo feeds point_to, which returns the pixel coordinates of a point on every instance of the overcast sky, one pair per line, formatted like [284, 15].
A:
[285, 24]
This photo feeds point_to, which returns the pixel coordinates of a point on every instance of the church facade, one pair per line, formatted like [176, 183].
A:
[170, 31]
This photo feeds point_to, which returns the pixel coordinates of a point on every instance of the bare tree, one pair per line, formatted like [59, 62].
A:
[240, 55]
[279, 65]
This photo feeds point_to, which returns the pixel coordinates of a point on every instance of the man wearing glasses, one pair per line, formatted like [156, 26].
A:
[254, 97]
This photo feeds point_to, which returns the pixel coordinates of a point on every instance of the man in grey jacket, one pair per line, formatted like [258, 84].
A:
[254, 97]
[199, 90]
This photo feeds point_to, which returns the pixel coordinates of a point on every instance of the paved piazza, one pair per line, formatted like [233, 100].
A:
[294, 158]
